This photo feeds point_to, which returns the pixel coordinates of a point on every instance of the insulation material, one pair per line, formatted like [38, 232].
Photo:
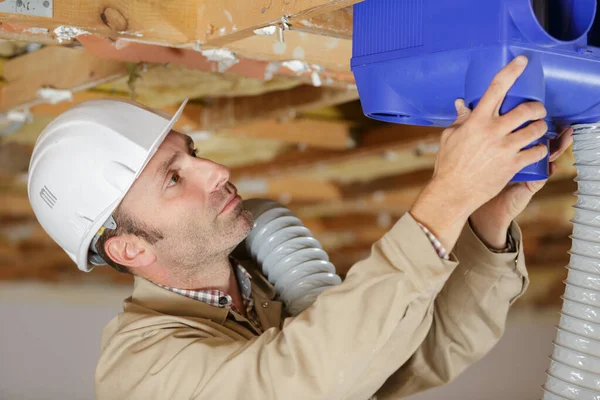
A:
[19, 116]
[67, 33]
[12, 48]
[36, 31]
[364, 169]
[54, 96]
[252, 186]
[298, 66]
[199, 136]
[266, 31]
[29, 132]
[234, 151]
[225, 58]
[316, 79]
[166, 85]
[271, 70]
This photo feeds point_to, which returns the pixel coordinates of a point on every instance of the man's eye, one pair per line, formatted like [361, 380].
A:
[174, 179]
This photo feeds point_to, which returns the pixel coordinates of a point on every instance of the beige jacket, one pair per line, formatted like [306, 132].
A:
[404, 320]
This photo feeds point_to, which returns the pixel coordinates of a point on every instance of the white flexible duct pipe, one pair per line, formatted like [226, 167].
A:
[574, 371]
[290, 257]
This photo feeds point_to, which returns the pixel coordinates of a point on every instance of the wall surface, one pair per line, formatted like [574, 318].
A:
[49, 344]
[514, 369]
[50, 340]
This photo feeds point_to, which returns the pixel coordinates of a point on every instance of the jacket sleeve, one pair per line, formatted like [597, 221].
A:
[345, 346]
[469, 315]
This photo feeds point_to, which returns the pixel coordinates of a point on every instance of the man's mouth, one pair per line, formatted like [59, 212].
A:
[232, 200]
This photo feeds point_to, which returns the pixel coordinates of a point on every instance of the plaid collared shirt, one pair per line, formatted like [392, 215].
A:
[220, 299]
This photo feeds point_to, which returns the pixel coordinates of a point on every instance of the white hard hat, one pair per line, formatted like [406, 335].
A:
[83, 164]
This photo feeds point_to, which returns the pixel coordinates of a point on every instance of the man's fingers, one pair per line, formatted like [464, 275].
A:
[531, 155]
[523, 137]
[561, 144]
[524, 112]
[535, 186]
[501, 84]
[462, 111]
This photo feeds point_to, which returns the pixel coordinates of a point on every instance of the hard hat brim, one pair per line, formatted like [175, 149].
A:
[82, 258]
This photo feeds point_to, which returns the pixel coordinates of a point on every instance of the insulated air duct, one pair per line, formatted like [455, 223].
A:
[290, 257]
[574, 371]
[413, 58]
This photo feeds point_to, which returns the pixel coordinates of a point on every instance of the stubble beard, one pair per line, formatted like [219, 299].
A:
[198, 247]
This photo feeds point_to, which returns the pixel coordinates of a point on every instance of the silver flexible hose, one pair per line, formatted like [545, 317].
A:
[574, 371]
[289, 255]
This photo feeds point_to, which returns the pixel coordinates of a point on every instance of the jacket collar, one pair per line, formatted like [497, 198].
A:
[148, 295]
[151, 296]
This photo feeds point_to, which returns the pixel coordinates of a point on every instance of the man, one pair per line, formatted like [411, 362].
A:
[200, 326]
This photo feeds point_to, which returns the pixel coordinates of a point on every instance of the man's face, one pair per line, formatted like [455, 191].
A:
[191, 202]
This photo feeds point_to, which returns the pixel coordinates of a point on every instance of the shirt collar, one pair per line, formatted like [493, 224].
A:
[218, 298]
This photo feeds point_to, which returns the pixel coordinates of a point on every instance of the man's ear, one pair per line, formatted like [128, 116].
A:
[130, 251]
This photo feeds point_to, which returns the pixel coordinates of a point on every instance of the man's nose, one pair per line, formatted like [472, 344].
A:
[216, 175]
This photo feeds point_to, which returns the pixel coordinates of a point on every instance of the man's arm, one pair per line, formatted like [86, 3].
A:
[343, 347]
[469, 315]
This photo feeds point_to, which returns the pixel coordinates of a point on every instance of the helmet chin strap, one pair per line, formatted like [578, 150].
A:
[93, 257]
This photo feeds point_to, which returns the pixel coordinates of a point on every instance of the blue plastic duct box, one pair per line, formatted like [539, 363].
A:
[413, 58]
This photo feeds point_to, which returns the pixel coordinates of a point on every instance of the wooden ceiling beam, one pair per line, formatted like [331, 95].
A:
[395, 195]
[309, 51]
[187, 21]
[391, 142]
[53, 67]
[337, 24]
[335, 135]
[411, 180]
[286, 188]
[242, 113]
[25, 33]
[254, 14]
[13, 205]
[212, 59]
[221, 113]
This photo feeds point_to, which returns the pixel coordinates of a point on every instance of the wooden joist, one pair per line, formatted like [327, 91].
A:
[336, 135]
[336, 24]
[222, 113]
[397, 145]
[176, 23]
[232, 20]
[15, 205]
[212, 59]
[55, 68]
[285, 189]
[226, 112]
[316, 51]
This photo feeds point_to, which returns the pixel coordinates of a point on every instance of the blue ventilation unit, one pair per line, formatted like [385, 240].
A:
[413, 58]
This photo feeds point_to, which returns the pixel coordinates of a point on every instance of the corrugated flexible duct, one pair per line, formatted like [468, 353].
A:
[574, 371]
[289, 255]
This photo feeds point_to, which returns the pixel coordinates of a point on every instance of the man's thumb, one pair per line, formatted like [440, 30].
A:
[462, 110]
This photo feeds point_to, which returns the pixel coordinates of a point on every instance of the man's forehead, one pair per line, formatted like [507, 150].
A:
[177, 138]
[174, 142]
